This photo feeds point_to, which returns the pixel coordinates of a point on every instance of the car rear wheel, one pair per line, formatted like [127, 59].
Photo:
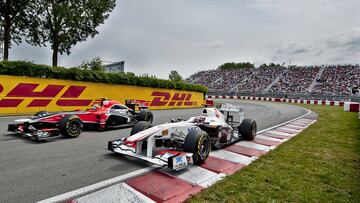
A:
[198, 142]
[140, 126]
[71, 126]
[247, 129]
[145, 115]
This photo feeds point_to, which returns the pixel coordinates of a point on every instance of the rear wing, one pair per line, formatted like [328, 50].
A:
[234, 114]
[225, 107]
[133, 103]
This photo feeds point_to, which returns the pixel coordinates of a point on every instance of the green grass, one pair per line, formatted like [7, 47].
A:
[322, 164]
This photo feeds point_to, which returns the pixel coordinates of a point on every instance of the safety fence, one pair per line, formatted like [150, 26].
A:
[348, 106]
[290, 95]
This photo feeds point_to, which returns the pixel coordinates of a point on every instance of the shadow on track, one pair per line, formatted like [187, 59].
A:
[14, 136]
[123, 160]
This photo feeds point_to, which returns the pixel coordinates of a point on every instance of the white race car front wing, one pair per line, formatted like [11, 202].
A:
[176, 160]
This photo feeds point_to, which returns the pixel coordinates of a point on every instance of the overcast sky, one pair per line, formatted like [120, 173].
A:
[157, 36]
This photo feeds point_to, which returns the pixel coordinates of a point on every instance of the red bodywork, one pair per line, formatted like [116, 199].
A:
[104, 114]
[94, 115]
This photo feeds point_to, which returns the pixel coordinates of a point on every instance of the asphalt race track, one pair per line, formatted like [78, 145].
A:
[32, 171]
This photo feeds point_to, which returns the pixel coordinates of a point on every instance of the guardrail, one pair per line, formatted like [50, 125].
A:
[348, 106]
[308, 96]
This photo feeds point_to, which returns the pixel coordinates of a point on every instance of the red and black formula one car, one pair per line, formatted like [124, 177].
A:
[105, 114]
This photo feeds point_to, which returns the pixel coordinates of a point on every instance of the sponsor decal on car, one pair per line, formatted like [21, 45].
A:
[179, 162]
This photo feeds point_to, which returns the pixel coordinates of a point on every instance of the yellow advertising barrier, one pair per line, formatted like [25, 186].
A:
[19, 95]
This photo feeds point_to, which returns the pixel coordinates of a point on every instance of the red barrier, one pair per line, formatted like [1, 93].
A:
[354, 107]
[209, 102]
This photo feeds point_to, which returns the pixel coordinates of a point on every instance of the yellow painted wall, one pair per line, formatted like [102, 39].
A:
[19, 95]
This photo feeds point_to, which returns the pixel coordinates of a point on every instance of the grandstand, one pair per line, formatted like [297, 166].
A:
[315, 82]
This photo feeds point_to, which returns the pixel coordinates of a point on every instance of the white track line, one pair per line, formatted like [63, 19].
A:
[286, 122]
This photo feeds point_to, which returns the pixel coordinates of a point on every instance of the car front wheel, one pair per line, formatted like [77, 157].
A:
[198, 142]
[71, 126]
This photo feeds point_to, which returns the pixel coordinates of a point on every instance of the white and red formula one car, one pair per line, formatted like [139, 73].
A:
[105, 114]
[180, 142]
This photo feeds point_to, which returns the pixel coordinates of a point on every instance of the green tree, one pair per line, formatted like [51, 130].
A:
[95, 65]
[15, 18]
[271, 65]
[64, 23]
[175, 76]
[228, 66]
[234, 65]
[245, 65]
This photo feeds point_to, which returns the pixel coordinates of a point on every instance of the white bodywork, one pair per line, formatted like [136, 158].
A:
[176, 131]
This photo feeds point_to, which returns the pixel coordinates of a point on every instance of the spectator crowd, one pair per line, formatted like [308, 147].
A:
[344, 80]
[329, 79]
[296, 79]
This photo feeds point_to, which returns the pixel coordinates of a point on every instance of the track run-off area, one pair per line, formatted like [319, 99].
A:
[32, 171]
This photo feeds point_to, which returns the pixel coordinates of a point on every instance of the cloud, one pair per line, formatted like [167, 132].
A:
[294, 51]
[343, 47]
[347, 41]
[157, 36]
[216, 44]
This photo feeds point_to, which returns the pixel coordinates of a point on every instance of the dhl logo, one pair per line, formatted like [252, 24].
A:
[71, 96]
[165, 99]
[27, 90]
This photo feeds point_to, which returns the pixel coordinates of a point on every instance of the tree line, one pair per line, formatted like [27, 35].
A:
[24, 68]
[241, 65]
[60, 23]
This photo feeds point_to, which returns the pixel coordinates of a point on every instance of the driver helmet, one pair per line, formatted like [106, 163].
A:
[200, 119]
[95, 106]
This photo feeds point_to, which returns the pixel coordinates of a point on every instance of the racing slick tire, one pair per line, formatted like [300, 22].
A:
[198, 142]
[41, 114]
[247, 129]
[145, 115]
[71, 126]
[140, 126]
